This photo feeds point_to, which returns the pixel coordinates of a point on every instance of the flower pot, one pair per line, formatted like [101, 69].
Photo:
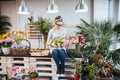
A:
[105, 78]
[6, 50]
[35, 78]
[77, 78]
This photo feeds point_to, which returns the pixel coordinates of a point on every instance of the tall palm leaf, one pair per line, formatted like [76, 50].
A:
[100, 34]
[5, 24]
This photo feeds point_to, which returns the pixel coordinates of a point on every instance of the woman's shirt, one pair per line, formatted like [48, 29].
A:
[56, 34]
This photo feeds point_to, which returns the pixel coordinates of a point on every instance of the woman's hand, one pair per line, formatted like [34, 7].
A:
[53, 45]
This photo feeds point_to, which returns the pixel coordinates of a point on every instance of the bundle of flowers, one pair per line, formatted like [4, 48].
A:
[32, 73]
[62, 42]
[19, 47]
[16, 35]
[5, 40]
[17, 71]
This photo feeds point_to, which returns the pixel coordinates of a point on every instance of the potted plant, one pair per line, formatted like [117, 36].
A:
[43, 25]
[5, 25]
[5, 42]
[78, 69]
[91, 69]
[104, 73]
[20, 45]
[99, 35]
[18, 73]
[33, 75]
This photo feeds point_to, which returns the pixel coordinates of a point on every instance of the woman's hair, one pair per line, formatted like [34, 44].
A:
[58, 18]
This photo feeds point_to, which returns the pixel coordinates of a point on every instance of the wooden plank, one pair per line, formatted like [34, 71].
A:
[45, 69]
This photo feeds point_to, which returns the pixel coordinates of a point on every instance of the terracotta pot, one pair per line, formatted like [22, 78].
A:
[77, 78]
[35, 78]
[106, 78]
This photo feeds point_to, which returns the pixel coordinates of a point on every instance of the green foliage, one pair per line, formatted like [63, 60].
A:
[98, 34]
[92, 69]
[33, 75]
[5, 24]
[43, 25]
[72, 53]
[78, 68]
[116, 56]
[31, 20]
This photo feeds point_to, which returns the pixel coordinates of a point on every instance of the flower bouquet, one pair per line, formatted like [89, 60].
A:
[5, 40]
[18, 73]
[16, 35]
[62, 42]
[5, 43]
[32, 73]
[19, 46]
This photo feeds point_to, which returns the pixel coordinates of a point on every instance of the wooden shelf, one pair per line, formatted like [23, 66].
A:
[33, 33]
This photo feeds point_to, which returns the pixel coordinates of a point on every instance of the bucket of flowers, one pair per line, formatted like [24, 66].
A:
[33, 74]
[20, 46]
[5, 43]
[18, 73]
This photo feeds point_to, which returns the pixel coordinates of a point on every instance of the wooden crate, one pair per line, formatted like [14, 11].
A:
[3, 65]
[18, 61]
[43, 66]
[69, 70]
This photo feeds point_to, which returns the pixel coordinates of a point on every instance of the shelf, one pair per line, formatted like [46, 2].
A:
[33, 32]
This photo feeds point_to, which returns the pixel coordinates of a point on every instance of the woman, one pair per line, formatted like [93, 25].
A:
[58, 54]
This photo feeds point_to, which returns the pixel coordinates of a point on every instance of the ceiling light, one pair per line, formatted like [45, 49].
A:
[23, 9]
[81, 7]
[52, 8]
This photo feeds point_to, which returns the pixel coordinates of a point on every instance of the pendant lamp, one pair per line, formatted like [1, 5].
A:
[52, 7]
[81, 7]
[23, 9]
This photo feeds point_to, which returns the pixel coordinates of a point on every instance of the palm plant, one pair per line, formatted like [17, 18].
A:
[117, 30]
[99, 34]
[5, 24]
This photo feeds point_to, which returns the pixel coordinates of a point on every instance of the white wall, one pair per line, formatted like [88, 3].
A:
[119, 12]
[38, 7]
[100, 10]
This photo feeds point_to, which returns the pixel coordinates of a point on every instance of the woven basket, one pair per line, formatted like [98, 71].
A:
[22, 51]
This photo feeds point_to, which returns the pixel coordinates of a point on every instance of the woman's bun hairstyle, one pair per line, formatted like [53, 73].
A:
[58, 19]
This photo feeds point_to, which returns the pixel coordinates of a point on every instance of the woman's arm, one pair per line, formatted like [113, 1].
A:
[50, 40]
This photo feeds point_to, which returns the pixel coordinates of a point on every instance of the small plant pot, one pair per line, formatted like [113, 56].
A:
[105, 78]
[6, 50]
[35, 78]
[77, 78]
